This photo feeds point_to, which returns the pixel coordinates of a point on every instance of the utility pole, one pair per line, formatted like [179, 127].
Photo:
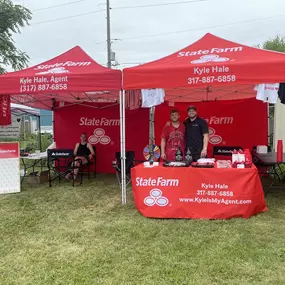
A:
[109, 63]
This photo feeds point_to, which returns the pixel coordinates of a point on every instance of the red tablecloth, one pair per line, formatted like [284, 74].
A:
[165, 192]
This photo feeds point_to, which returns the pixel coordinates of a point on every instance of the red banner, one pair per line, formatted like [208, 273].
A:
[241, 123]
[102, 127]
[5, 110]
[164, 192]
[209, 62]
[72, 71]
[9, 150]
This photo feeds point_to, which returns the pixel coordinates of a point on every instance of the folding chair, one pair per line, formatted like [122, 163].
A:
[60, 163]
[130, 163]
[91, 163]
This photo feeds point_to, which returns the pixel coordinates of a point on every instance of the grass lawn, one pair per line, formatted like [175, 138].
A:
[83, 235]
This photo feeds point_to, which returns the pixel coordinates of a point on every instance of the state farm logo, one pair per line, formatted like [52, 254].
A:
[56, 70]
[7, 151]
[102, 122]
[186, 53]
[210, 58]
[156, 198]
[99, 137]
[213, 138]
[63, 64]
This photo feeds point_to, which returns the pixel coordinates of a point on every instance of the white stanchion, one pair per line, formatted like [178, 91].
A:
[123, 147]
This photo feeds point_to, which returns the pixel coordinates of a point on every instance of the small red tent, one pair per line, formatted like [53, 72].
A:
[70, 77]
[211, 68]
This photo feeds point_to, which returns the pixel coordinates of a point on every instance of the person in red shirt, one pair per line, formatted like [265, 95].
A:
[172, 137]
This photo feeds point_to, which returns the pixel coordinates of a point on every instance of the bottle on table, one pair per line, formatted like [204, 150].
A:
[234, 158]
[188, 156]
[179, 155]
[248, 158]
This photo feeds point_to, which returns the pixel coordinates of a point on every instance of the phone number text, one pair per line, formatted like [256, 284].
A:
[211, 79]
[215, 193]
[43, 87]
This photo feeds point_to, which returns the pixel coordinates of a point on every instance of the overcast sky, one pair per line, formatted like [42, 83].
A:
[248, 22]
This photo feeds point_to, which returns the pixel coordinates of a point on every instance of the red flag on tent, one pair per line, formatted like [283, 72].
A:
[5, 110]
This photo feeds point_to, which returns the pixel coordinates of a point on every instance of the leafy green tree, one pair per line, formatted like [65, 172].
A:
[276, 44]
[12, 18]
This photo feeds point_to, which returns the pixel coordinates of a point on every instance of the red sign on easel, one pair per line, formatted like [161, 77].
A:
[9, 168]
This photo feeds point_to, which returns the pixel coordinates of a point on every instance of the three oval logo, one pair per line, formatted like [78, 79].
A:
[210, 58]
[213, 138]
[99, 137]
[156, 198]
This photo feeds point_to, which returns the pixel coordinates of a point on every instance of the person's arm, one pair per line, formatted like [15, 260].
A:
[92, 153]
[185, 134]
[163, 143]
[76, 149]
[205, 131]
[206, 141]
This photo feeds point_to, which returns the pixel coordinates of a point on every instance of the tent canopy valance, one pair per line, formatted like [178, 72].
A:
[20, 110]
[72, 77]
[209, 69]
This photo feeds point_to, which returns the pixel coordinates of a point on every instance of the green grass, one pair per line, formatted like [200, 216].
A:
[83, 235]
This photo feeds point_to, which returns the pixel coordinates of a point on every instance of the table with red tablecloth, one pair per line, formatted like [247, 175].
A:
[197, 193]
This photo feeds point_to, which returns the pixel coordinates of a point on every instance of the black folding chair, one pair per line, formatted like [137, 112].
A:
[91, 163]
[60, 163]
[130, 163]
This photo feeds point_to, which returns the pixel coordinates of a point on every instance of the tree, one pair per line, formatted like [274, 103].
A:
[12, 18]
[276, 44]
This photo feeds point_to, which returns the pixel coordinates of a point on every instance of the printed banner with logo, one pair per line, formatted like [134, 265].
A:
[242, 123]
[209, 62]
[73, 70]
[102, 127]
[186, 192]
[72, 77]
[9, 168]
[5, 114]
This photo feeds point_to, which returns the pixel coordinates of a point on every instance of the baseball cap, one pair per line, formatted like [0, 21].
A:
[192, 107]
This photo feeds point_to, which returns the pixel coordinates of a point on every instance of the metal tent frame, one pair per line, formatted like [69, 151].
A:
[22, 110]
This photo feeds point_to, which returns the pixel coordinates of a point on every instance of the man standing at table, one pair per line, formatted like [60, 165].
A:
[172, 137]
[196, 133]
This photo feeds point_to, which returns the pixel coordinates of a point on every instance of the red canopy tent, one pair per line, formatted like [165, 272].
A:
[211, 68]
[72, 77]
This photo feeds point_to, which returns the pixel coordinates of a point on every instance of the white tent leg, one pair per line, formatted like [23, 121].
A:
[53, 132]
[151, 124]
[150, 129]
[153, 130]
[123, 147]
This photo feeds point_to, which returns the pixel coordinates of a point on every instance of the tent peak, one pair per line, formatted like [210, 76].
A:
[210, 61]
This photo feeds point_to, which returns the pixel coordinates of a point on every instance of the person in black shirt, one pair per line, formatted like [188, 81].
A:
[83, 153]
[196, 134]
